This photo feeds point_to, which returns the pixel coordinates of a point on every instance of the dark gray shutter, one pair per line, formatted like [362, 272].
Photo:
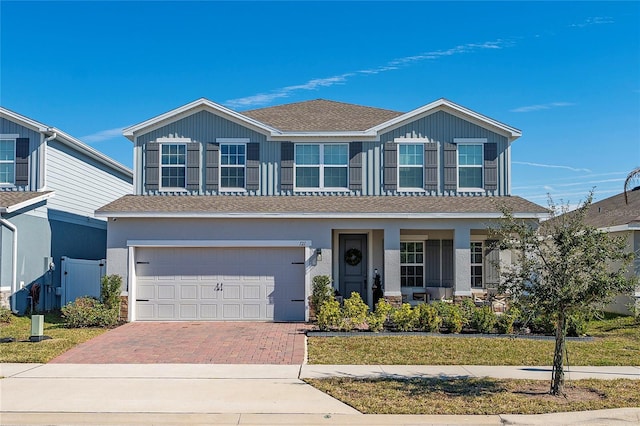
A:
[490, 166]
[447, 263]
[286, 166]
[355, 166]
[492, 265]
[152, 166]
[450, 167]
[390, 166]
[432, 263]
[253, 167]
[22, 162]
[431, 166]
[212, 164]
[193, 166]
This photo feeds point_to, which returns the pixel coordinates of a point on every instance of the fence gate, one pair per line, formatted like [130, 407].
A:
[81, 277]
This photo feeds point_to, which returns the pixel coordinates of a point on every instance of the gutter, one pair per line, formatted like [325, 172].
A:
[14, 263]
[44, 156]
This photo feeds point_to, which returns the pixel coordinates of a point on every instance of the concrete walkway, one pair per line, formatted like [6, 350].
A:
[241, 395]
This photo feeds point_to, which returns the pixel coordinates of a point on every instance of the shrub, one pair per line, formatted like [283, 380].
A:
[5, 315]
[110, 289]
[576, 325]
[452, 317]
[404, 317]
[322, 291]
[427, 318]
[88, 312]
[483, 319]
[330, 315]
[543, 324]
[506, 321]
[468, 308]
[354, 311]
[377, 318]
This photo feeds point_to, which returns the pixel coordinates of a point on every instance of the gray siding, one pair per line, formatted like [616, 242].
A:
[9, 127]
[81, 184]
[442, 127]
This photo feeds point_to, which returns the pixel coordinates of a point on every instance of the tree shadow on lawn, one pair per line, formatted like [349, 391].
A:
[454, 387]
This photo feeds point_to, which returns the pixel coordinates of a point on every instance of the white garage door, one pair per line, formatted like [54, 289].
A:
[220, 284]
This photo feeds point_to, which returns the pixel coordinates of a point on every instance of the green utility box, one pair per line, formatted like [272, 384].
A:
[37, 328]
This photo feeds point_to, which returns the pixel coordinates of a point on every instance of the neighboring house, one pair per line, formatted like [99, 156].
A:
[618, 218]
[50, 186]
[235, 213]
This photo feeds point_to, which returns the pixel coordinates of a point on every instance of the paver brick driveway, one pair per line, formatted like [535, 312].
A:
[194, 343]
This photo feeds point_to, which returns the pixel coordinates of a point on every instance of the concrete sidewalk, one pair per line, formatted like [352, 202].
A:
[241, 394]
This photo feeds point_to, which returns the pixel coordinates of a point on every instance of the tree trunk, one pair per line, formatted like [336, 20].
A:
[557, 375]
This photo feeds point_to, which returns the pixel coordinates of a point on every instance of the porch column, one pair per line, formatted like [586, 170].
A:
[462, 259]
[392, 265]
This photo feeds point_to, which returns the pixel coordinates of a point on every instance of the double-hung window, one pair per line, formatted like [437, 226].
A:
[7, 161]
[321, 166]
[476, 265]
[412, 264]
[410, 166]
[233, 160]
[173, 165]
[470, 160]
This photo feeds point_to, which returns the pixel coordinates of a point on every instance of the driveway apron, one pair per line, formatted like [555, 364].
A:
[194, 343]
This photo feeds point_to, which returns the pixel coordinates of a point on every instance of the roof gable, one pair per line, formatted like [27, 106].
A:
[11, 201]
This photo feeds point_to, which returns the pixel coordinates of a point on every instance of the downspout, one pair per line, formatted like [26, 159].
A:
[44, 157]
[14, 263]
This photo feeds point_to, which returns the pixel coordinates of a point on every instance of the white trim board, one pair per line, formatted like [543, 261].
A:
[219, 243]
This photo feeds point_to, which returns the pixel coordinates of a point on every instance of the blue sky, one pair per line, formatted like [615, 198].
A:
[566, 73]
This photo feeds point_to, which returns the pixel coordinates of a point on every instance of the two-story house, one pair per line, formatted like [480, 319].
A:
[234, 213]
[50, 185]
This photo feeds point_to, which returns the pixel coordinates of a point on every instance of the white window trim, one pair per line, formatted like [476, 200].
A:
[232, 141]
[172, 141]
[480, 166]
[414, 264]
[10, 137]
[481, 264]
[321, 166]
[410, 141]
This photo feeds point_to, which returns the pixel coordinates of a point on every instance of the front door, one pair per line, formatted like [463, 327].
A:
[353, 265]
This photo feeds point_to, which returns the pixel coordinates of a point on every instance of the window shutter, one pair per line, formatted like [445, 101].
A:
[152, 166]
[286, 166]
[390, 166]
[193, 166]
[432, 263]
[447, 263]
[450, 166]
[490, 166]
[22, 162]
[491, 263]
[253, 166]
[212, 165]
[355, 166]
[431, 166]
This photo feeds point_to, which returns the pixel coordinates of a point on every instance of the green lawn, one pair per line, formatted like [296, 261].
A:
[617, 342]
[62, 339]
[477, 395]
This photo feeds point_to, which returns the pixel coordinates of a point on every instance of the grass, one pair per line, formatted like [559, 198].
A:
[62, 339]
[477, 396]
[617, 342]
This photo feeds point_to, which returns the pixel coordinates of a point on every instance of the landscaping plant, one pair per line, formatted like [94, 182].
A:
[354, 312]
[427, 318]
[330, 315]
[91, 312]
[322, 291]
[452, 316]
[404, 317]
[5, 315]
[377, 318]
[483, 319]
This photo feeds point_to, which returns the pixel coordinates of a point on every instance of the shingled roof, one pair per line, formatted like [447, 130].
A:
[613, 211]
[14, 200]
[326, 206]
[321, 115]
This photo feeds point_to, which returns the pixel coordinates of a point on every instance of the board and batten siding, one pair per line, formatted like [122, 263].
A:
[8, 127]
[201, 127]
[81, 184]
[442, 127]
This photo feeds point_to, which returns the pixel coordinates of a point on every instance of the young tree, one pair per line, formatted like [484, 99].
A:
[564, 267]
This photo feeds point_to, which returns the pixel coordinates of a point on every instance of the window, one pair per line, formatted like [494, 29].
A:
[173, 160]
[470, 166]
[321, 166]
[410, 165]
[7, 161]
[412, 264]
[476, 265]
[232, 165]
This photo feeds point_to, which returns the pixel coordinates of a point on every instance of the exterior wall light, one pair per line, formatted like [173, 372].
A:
[319, 255]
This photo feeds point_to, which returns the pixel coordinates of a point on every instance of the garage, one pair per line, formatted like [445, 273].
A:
[220, 283]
